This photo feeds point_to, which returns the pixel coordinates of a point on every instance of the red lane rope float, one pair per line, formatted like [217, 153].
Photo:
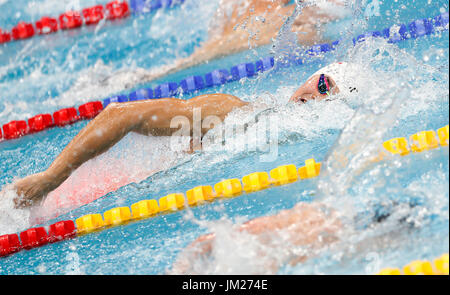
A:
[65, 117]
[47, 25]
[61, 231]
[40, 122]
[15, 129]
[34, 237]
[9, 244]
[117, 10]
[4, 37]
[93, 15]
[23, 30]
[70, 20]
[90, 110]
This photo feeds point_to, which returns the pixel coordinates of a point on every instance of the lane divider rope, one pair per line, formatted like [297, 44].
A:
[192, 84]
[228, 188]
[438, 266]
[69, 20]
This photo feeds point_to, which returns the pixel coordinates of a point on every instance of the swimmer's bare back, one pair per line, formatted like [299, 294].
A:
[250, 24]
[149, 117]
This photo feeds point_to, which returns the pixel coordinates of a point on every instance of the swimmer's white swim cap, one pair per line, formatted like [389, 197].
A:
[346, 75]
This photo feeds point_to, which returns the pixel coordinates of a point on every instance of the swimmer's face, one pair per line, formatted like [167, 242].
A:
[309, 90]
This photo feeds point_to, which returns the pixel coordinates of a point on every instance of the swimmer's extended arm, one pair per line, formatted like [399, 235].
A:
[150, 117]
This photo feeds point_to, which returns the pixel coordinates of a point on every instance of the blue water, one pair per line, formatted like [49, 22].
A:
[47, 73]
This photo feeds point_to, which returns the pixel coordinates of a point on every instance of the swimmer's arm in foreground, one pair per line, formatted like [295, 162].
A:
[309, 225]
[150, 117]
[294, 235]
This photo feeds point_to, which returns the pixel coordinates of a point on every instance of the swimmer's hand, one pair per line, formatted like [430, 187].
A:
[303, 225]
[32, 189]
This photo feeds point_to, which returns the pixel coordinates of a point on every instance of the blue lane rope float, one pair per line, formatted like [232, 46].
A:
[396, 33]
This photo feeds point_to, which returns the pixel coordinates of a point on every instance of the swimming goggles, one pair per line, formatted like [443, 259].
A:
[323, 86]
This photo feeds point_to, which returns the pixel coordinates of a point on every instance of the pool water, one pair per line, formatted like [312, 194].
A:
[407, 92]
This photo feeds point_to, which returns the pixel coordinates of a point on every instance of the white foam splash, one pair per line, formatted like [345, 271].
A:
[12, 220]
[433, 187]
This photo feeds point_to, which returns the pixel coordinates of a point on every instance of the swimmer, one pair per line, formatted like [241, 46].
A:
[154, 117]
[312, 226]
[239, 25]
